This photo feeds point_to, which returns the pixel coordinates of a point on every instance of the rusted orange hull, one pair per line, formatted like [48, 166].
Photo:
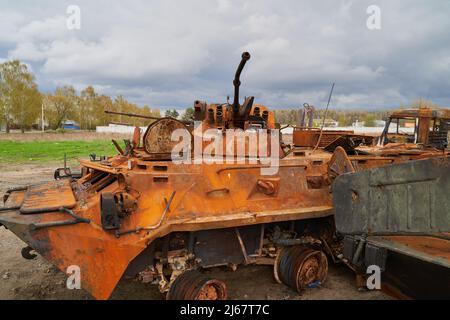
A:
[207, 197]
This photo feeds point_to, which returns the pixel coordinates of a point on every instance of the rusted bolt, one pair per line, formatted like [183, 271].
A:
[266, 187]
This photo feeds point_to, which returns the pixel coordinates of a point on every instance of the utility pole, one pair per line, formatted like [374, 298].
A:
[42, 117]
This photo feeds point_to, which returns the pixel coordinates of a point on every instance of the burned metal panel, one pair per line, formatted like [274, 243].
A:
[411, 278]
[157, 138]
[406, 197]
[362, 253]
[14, 197]
[428, 249]
[49, 196]
[101, 259]
[221, 247]
[19, 224]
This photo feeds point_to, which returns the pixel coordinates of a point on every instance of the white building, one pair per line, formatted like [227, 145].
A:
[117, 128]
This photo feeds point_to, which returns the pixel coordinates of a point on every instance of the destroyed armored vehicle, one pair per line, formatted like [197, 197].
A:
[183, 197]
[409, 134]
[141, 214]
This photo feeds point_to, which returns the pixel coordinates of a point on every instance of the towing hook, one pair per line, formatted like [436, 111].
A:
[26, 253]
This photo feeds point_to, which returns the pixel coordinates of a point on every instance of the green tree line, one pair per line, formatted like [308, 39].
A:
[21, 103]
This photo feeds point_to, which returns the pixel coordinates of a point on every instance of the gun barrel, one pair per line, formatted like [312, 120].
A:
[132, 115]
[237, 82]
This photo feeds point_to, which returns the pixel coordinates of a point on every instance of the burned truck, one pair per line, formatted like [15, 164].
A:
[413, 134]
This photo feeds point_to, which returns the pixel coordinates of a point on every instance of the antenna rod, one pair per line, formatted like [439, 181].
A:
[143, 117]
[324, 117]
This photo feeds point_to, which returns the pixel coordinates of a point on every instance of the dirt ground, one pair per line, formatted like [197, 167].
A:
[38, 279]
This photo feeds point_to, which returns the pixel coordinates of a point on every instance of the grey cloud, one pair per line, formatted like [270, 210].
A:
[168, 53]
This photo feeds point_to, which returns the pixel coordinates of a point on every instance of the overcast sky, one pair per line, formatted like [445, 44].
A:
[169, 53]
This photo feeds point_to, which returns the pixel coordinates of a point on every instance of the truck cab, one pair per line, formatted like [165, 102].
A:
[425, 126]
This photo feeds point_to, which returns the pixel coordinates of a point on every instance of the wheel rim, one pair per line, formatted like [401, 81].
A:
[212, 290]
[299, 267]
[313, 268]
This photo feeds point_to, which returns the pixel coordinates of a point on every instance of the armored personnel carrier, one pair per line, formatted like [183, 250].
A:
[142, 214]
[222, 190]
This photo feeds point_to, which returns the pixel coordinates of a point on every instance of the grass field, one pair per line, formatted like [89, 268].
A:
[19, 152]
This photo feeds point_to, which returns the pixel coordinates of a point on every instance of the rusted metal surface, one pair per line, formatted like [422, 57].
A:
[103, 257]
[306, 118]
[308, 137]
[402, 151]
[407, 277]
[14, 196]
[429, 249]
[431, 127]
[136, 141]
[131, 115]
[76, 219]
[157, 138]
[155, 198]
[48, 197]
[197, 205]
[339, 164]
[413, 266]
[239, 113]
[118, 147]
[139, 211]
